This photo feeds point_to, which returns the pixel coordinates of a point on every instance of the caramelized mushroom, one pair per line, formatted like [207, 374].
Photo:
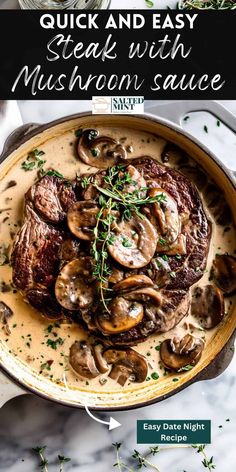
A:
[133, 282]
[137, 182]
[123, 315]
[176, 354]
[207, 306]
[178, 247]
[69, 249]
[126, 364]
[224, 273]
[134, 243]
[166, 212]
[82, 361]
[99, 151]
[74, 289]
[81, 219]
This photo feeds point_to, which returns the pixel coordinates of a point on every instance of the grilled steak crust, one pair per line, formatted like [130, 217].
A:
[35, 255]
[51, 197]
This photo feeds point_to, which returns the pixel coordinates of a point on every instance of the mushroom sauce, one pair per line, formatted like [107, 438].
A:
[44, 344]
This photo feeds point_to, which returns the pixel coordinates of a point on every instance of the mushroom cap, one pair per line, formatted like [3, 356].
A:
[126, 363]
[73, 288]
[82, 218]
[176, 354]
[82, 361]
[123, 315]
[166, 212]
[133, 282]
[134, 242]
[224, 273]
[99, 151]
[207, 305]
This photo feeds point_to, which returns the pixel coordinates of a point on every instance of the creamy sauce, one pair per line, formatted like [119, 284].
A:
[43, 344]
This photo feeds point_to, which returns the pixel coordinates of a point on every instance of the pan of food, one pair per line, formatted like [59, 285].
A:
[118, 267]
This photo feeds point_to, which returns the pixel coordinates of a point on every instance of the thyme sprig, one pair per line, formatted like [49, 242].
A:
[40, 451]
[207, 4]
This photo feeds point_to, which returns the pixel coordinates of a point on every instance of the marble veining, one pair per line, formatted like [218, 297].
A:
[29, 421]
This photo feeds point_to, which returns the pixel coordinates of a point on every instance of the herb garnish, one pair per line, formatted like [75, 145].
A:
[33, 160]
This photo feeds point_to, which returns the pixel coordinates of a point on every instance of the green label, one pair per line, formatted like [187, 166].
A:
[173, 432]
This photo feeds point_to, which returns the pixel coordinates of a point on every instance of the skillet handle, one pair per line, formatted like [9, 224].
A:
[8, 389]
[175, 111]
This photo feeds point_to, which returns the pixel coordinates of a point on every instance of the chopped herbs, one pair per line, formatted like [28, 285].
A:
[155, 376]
[186, 118]
[206, 4]
[158, 347]
[172, 275]
[175, 379]
[186, 368]
[205, 129]
[178, 256]
[162, 241]
[165, 257]
[218, 123]
[85, 181]
[55, 173]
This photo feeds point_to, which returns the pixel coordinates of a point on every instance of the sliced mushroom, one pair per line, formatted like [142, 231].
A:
[224, 273]
[166, 212]
[137, 182]
[69, 249]
[74, 288]
[134, 242]
[208, 306]
[126, 364]
[99, 151]
[176, 354]
[82, 361]
[82, 218]
[123, 315]
[99, 359]
[116, 276]
[132, 283]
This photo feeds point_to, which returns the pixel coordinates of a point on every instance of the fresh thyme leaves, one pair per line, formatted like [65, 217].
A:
[33, 160]
[54, 173]
[40, 451]
[114, 202]
[207, 4]
[78, 132]
[94, 152]
[205, 128]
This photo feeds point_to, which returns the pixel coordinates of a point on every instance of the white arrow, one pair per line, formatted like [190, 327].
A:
[112, 423]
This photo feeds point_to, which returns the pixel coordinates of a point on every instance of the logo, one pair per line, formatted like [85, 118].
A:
[117, 105]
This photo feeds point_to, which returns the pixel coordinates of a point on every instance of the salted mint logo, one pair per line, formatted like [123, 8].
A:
[113, 105]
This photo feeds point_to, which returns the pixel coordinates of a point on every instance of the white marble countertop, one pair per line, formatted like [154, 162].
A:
[28, 421]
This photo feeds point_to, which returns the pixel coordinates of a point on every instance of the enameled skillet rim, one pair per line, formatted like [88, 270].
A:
[9, 148]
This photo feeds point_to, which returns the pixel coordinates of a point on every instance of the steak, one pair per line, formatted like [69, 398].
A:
[43, 245]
